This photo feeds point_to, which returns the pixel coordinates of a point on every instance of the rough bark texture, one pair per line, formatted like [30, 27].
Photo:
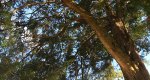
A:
[119, 44]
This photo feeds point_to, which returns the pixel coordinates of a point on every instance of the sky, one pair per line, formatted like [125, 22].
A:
[147, 58]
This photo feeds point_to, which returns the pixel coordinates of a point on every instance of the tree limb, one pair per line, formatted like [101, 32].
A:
[109, 43]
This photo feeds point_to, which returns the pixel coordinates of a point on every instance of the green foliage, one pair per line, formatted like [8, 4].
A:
[50, 41]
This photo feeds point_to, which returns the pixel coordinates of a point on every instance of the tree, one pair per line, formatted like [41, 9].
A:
[53, 39]
[118, 43]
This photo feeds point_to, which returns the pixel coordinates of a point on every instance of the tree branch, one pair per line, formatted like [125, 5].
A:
[109, 43]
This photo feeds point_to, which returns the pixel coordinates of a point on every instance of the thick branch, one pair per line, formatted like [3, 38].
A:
[100, 31]
[130, 64]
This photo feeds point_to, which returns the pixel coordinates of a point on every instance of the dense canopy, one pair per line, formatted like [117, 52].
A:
[73, 39]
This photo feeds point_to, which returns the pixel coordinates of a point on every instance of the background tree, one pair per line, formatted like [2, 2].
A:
[44, 39]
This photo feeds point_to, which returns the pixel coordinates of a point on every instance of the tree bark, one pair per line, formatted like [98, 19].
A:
[119, 44]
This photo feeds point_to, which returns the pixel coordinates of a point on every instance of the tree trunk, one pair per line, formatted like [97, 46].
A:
[118, 44]
[125, 53]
